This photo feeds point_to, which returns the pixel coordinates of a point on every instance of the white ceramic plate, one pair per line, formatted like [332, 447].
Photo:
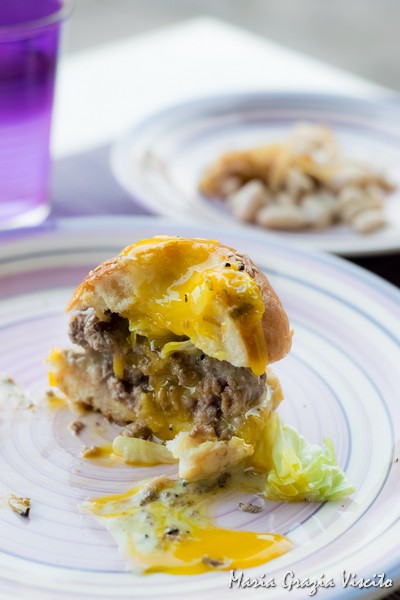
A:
[340, 381]
[160, 161]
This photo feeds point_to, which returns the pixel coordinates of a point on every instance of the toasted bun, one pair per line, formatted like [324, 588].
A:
[195, 288]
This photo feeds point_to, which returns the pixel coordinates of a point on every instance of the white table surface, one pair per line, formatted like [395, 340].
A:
[104, 90]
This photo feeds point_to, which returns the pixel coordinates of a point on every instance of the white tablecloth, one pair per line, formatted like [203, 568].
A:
[102, 91]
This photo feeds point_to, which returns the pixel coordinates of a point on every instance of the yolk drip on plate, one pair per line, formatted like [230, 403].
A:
[101, 455]
[55, 402]
[163, 525]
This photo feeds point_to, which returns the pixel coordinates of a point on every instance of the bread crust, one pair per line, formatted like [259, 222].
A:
[275, 322]
[111, 276]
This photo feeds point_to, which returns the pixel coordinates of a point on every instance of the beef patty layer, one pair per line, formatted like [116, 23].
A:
[187, 386]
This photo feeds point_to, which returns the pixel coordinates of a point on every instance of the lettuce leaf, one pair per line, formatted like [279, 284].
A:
[299, 470]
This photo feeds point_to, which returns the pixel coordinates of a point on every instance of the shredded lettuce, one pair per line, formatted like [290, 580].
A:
[299, 470]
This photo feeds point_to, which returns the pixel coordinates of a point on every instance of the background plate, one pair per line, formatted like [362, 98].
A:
[160, 161]
[340, 380]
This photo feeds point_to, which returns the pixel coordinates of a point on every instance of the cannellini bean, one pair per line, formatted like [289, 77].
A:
[324, 156]
[316, 212]
[350, 200]
[245, 203]
[376, 192]
[281, 217]
[298, 183]
[230, 185]
[348, 213]
[348, 174]
[368, 220]
[284, 199]
[329, 200]
[348, 194]
[353, 200]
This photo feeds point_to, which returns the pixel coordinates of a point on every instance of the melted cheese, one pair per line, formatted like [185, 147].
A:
[173, 532]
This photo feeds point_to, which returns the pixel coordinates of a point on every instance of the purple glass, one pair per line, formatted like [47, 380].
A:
[29, 41]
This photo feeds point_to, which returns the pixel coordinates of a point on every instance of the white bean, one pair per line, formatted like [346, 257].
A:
[348, 193]
[348, 213]
[245, 203]
[281, 217]
[298, 183]
[350, 201]
[330, 201]
[324, 156]
[348, 175]
[353, 200]
[316, 212]
[376, 192]
[284, 199]
[368, 220]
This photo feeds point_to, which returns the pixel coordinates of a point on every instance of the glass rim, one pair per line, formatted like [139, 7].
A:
[18, 30]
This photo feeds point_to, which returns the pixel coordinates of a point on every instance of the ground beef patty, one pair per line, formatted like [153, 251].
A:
[212, 391]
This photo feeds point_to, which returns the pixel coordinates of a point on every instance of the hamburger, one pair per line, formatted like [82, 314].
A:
[173, 339]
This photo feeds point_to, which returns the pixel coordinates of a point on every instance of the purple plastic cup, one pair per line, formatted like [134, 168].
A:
[29, 42]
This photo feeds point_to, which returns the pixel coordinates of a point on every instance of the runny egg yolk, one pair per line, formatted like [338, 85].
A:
[223, 549]
[163, 525]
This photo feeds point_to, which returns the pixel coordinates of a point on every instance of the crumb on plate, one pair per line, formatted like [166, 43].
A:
[19, 504]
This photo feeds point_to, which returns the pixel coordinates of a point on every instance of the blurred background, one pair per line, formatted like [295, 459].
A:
[361, 36]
